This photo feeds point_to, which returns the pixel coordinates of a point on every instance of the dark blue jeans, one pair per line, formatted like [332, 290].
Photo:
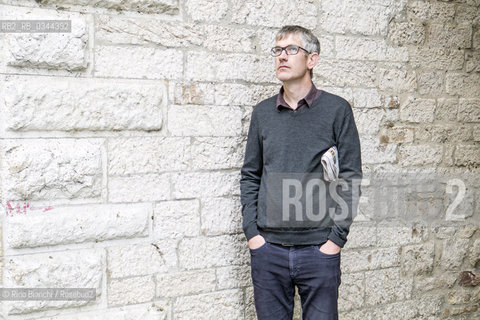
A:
[277, 269]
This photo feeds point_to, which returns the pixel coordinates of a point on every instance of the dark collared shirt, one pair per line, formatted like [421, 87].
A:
[311, 96]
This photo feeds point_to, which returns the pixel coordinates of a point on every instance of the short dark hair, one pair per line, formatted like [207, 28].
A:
[309, 40]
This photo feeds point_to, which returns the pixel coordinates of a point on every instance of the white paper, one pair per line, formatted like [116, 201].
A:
[330, 164]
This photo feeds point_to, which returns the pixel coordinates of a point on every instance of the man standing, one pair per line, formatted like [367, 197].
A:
[287, 137]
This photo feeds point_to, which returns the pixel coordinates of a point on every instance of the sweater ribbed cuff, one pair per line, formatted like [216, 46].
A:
[251, 230]
[338, 241]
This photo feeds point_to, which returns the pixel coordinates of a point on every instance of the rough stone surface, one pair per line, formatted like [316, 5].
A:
[148, 155]
[373, 151]
[363, 49]
[431, 83]
[453, 253]
[403, 33]
[233, 277]
[443, 133]
[141, 259]
[185, 283]
[139, 188]
[386, 286]
[370, 259]
[351, 291]
[1, 255]
[204, 10]
[228, 94]
[467, 155]
[210, 153]
[206, 66]
[205, 184]
[65, 225]
[138, 62]
[467, 13]
[465, 295]
[159, 309]
[419, 155]
[67, 51]
[446, 109]
[436, 57]
[149, 6]
[418, 259]
[64, 50]
[122, 143]
[376, 116]
[427, 308]
[74, 269]
[221, 209]
[192, 120]
[474, 254]
[363, 17]
[469, 110]
[51, 169]
[250, 313]
[439, 11]
[131, 290]
[440, 35]
[226, 304]
[463, 85]
[275, 14]
[476, 133]
[346, 73]
[476, 39]
[119, 30]
[396, 134]
[134, 31]
[176, 219]
[389, 235]
[217, 251]
[191, 93]
[472, 61]
[367, 98]
[360, 236]
[36, 103]
[394, 77]
[447, 280]
[418, 110]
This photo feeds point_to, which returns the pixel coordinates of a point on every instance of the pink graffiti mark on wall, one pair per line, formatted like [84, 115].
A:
[23, 209]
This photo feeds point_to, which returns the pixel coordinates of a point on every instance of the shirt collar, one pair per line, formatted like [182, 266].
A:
[308, 98]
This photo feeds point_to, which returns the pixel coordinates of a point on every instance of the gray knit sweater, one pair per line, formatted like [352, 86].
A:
[283, 194]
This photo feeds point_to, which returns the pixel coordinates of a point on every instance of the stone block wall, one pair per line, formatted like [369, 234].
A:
[121, 143]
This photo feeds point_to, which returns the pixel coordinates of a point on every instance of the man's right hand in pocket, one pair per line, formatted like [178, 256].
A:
[256, 242]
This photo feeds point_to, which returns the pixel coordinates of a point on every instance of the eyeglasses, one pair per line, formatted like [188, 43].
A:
[289, 50]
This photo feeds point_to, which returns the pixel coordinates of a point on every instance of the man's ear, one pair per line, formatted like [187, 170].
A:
[312, 60]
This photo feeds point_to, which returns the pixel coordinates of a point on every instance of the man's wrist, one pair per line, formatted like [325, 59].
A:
[334, 244]
[335, 239]
[330, 247]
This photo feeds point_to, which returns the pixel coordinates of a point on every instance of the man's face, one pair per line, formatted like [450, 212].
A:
[291, 67]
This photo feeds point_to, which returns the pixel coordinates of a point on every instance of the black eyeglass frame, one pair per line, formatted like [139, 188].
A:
[291, 46]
